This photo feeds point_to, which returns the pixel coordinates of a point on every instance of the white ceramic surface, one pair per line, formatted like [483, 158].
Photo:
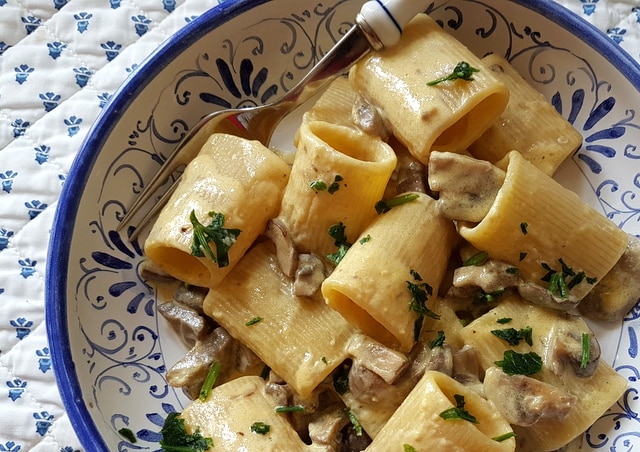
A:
[110, 348]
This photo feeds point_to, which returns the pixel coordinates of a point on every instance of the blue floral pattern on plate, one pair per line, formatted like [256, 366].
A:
[121, 348]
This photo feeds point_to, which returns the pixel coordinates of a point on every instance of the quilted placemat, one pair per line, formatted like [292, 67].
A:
[60, 62]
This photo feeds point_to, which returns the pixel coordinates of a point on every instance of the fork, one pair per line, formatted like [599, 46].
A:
[378, 25]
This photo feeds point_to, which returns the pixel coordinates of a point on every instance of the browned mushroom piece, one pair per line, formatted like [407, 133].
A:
[387, 363]
[492, 276]
[523, 400]
[325, 429]
[369, 119]
[466, 368]
[542, 296]
[441, 359]
[190, 325]
[192, 296]
[612, 298]
[236, 359]
[573, 344]
[309, 275]
[467, 186]
[286, 252]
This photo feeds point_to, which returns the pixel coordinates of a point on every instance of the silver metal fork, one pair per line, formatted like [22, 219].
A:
[379, 24]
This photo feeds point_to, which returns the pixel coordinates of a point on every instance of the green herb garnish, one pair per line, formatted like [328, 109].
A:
[127, 434]
[386, 205]
[476, 260]
[341, 378]
[463, 70]
[586, 350]
[336, 232]
[320, 185]
[524, 228]
[260, 428]
[514, 363]
[354, 421]
[290, 409]
[438, 341]
[223, 238]
[562, 282]
[504, 437]
[513, 337]
[458, 412]
[365, 239]
[408, 448]
[504, 320]
[253, 321]
[210, 380]
[420, 293]
[176, 439]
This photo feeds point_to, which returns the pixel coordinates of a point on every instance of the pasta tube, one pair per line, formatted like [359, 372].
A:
[300, 339]
[529, 125]
[445, 117]
[337, 176]
[593, 394]
[418, 422]
[241, 179]
[230, 411]
[370, 287]
[539, 227]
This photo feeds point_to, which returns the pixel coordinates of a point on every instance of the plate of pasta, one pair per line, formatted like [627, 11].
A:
[440, 251]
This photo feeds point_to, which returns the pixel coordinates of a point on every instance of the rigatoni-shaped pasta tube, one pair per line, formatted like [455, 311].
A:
[551, 337]
[301, 339]
[448, 116]
[529, 125]
[230, 411]
[405, 248]
[338, 175]
[420, 421]
[540, 227]
[240, 179]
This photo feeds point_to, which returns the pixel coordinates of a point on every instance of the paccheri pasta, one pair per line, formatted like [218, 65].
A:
[405, 284]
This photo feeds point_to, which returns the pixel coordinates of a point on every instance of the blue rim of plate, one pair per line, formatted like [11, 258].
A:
[59, 251]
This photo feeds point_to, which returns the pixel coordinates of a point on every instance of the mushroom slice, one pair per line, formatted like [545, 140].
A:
[492, 276]
[467, 186]
[542, 296]
[192, 296]
[286, 253]
[325, 428]
[466, 368]
[619, 290]
[190, 325]
[441, 359]
[524, 400]
[572, 343]
[309, 275]
[369, 119]
[383, 361]
[190, 372]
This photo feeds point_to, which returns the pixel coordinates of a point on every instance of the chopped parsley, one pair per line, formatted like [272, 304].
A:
[522, 256]
[586, 350]
[341, 378]
[331, 188]
[438, 341]
[463, 70]
[560, 283]
[458, 412]
[489, 297]
[476, 260]
[357, 427]
[210, 380]
[176, 439]
[386, 205]
[513, 337]
[408, 448]
[365, 239]
[127, 434]
[260, 428]
[420, 292]
[336, 232]
[504, 320]
[253, 321]
[514, 363]
[504, 437]
[223, 238]
[524, 227]
[290, 409]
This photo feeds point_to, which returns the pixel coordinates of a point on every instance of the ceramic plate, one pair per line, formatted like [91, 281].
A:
[109, 346]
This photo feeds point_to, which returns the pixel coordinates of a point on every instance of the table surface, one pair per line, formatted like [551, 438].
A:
[60, 61]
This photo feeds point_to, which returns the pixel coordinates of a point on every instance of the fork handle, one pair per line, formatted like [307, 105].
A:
[382, 21]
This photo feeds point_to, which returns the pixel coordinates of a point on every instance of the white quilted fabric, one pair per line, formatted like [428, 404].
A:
[60, 61]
